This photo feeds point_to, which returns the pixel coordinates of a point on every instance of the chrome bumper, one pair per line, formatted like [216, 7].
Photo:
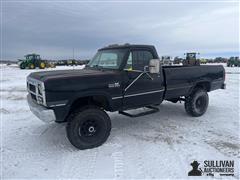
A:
[46, 115]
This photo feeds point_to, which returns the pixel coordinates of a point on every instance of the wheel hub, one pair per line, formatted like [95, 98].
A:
[200, 103]
[88, 128]
[91, 129]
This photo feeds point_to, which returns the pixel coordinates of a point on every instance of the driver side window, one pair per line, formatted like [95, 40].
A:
[138, 59]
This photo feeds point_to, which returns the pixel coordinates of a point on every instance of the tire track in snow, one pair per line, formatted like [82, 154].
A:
[82, 167]
[92, 164]
[223, 142]
[135, 159]
[141, 169]
[4, 111]
[118, 156]
[118, 165]
[71, 166]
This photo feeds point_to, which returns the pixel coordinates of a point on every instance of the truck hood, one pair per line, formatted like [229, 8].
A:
[75, 80]
[62, 74]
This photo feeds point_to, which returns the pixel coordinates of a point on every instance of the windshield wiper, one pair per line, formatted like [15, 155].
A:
[97, 66]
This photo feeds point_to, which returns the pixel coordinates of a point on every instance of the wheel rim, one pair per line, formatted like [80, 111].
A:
[89, 128]
[42, 65]
[201, 103]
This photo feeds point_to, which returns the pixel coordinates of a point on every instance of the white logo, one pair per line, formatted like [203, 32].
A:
[114, 85]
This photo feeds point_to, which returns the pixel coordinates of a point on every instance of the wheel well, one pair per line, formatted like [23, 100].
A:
[97, 100]
[203, 85]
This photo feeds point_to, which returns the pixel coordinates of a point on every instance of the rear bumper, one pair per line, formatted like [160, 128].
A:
[44, 114]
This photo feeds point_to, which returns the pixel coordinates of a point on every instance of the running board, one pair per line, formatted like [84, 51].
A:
[151, 111]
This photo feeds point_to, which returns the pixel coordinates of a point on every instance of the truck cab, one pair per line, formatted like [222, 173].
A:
[127, 63]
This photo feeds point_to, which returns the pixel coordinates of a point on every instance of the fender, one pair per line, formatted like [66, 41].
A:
[206, 82]
[62, 112]
[79, 95]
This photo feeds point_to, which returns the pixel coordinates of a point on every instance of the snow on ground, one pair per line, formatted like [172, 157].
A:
[161, 145]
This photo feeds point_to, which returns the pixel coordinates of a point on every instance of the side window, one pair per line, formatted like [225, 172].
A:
[129, 62]
[140, 59]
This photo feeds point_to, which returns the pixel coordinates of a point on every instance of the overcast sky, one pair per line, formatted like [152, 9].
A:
[53, 29]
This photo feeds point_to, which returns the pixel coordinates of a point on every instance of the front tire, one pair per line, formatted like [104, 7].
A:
[88, 128]
[22, 66]
[197, 103]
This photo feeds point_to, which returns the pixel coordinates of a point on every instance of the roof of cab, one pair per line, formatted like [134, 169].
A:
[117, 46]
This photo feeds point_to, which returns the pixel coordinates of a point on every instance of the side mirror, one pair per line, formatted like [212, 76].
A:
[154, 66]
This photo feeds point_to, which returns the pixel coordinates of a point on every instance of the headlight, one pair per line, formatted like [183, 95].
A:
[40, 100]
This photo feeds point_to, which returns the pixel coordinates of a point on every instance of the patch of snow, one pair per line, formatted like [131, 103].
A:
[161, 145]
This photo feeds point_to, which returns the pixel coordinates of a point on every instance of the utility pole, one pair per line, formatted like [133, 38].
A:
[73, 53]
[73, 59]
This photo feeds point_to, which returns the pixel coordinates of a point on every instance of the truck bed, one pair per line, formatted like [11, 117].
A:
[179, 80]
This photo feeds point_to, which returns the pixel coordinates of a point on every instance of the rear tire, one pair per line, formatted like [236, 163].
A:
[196, 104]
[88, 128]
[31, 66]
[42, 65]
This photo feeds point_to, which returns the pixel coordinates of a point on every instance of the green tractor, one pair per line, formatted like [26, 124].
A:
[233, 62]
[32, 61]
[191, 59]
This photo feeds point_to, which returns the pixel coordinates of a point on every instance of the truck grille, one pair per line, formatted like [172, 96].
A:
[32, 87]
[34, 97]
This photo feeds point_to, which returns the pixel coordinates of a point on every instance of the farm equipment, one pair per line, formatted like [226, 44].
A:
[233, 62]
[166, 60]
[71, 62]
[32, 61]
[177, 60]
[191, 59]
[203, 61]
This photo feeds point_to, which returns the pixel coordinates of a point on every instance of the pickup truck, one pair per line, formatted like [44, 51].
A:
[118, 78]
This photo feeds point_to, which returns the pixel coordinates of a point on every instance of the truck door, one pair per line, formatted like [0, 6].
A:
[144, 90]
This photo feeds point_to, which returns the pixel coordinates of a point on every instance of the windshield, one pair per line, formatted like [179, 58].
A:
[109, 59]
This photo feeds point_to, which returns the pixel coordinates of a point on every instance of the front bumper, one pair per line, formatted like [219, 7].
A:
[46, 115]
